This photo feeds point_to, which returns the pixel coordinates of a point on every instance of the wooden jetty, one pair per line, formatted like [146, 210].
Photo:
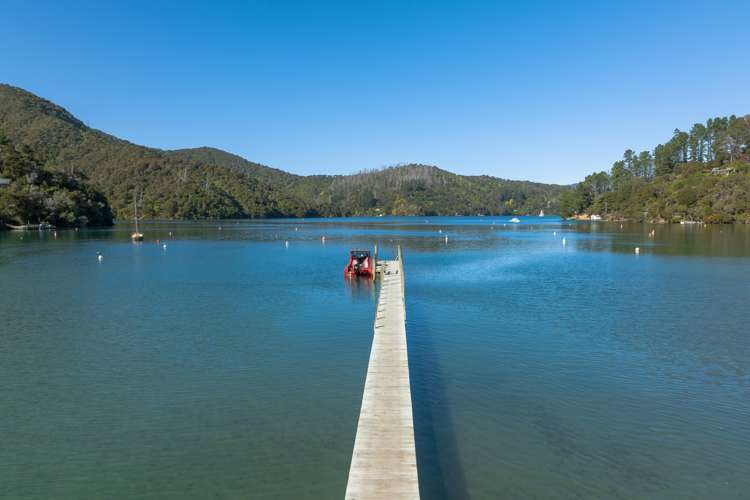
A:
[384, 461]
[31, 227]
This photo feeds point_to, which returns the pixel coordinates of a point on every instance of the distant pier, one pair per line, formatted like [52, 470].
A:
[384, 461]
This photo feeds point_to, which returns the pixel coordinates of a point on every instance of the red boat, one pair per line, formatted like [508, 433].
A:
[360, 263]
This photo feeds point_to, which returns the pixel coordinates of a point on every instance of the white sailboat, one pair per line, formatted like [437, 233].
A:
[137, 235]
[541, 213]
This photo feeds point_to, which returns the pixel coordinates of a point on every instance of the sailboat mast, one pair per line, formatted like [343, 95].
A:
[135, 211]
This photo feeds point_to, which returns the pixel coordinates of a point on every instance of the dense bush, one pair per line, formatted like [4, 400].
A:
[36, 194]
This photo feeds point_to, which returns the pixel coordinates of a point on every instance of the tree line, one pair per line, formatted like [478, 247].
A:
[702, 174]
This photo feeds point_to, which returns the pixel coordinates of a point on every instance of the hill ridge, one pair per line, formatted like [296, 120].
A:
[207, 182]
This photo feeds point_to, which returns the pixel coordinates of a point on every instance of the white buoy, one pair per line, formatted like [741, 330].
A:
[323, 239]
[554, 233]
[637, 250]
[100, 257]
[286, 244]
[565, 242]
[446, 240]
[164, 246]
[440, 231]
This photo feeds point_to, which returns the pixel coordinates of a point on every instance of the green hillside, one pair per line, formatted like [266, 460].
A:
[210, 183]
[172, 185]
[700, 175]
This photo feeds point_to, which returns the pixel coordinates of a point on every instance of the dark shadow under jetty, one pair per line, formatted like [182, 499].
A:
[441, 474]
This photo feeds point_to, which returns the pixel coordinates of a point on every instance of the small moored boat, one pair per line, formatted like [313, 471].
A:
[515, 220]
[360, 263]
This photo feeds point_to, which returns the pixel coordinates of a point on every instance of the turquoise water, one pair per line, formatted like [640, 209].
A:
[231, 366]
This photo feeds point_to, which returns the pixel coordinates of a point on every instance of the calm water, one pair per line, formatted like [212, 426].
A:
[228, 366]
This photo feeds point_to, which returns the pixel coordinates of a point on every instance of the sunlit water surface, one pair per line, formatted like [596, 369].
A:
[230, 365]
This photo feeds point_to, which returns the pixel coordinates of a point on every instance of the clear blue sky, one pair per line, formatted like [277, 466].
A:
[524, 90]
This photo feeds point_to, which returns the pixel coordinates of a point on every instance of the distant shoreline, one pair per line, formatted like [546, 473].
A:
[587, 218]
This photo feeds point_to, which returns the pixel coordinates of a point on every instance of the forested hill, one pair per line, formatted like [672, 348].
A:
[170, 186]
[428, 190]
[210, 183]
[700, 175]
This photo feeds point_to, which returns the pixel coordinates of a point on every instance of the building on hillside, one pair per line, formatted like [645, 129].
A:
[723, 171]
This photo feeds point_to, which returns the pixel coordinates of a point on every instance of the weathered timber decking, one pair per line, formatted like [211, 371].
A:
[384, 462]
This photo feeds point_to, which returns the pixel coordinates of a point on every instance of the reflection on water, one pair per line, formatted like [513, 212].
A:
[231, 364]
[361, 288]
